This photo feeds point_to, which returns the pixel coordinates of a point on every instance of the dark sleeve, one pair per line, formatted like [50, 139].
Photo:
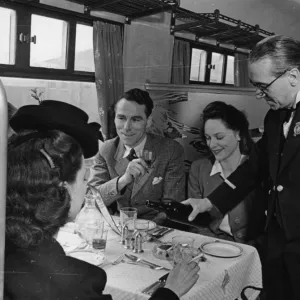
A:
[164, 294]
[245, 178]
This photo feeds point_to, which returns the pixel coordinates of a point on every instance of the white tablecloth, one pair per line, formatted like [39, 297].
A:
[125, 281]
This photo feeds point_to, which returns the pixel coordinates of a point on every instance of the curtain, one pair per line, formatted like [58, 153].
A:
[109, 78]
[181, 62]
[241, 76]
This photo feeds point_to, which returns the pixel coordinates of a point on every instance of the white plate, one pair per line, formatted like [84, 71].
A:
[89, 257]
[130, 225]
[221, 249]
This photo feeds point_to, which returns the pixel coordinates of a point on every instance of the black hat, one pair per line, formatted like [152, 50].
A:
[57, 115]
[97, 127]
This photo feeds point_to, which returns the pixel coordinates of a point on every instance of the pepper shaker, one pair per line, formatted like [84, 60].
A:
[124, 234]
[138, 243]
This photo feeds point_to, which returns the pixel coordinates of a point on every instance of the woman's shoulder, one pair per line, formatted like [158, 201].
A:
[202, 163]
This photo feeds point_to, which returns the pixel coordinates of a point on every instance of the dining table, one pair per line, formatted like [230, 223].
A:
[220, 278]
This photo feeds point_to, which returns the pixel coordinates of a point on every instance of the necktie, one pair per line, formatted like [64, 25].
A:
[131, 155]
[288, 113]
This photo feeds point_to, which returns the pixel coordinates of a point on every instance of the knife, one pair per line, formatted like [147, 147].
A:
[154, 286]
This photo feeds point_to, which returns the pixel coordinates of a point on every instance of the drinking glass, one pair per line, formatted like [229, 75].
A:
[88, 231]
[142, 226]
[147, 156]
[99, 239]
[182, 248]
[127, 217]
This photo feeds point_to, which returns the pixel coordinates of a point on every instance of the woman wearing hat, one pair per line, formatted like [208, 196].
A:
[45, 189]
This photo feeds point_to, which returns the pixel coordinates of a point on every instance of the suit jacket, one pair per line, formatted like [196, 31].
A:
[244, 226]
[278, 168]
[46, 273]
[168, 164]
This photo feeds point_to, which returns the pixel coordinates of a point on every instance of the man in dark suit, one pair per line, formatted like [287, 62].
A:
[274, 66]
[126, 178]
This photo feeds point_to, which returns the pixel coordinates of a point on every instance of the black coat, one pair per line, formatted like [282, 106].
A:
[46, 273]
[278, 167]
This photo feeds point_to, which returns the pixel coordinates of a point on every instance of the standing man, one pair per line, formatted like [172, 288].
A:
[122, 175]
[274, 66]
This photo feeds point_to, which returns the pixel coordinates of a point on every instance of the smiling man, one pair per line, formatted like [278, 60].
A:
[274, 66]
[121, 173]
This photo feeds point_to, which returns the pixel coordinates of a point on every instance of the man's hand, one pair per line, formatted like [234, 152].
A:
[199, 206]
[136, 167]
[183, 277]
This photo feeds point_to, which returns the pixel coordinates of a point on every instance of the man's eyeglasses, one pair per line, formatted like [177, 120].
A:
[264, 88]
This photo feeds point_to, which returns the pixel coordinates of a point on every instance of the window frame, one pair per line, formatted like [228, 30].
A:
[22, 67]
[210, 50]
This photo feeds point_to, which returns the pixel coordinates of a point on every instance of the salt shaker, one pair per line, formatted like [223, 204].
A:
[124, 234]
[138, 243]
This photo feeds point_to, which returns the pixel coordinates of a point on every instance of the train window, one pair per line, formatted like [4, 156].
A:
[8, 36]
[211, 67]
[84, 56]
[48, 42]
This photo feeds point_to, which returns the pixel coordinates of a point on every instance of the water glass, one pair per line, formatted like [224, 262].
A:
[127, 213]
[127, 217]
[99, 239]
[142, 226]
[182, 248]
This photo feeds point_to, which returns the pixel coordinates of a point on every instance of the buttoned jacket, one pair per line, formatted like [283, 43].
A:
[246, 220]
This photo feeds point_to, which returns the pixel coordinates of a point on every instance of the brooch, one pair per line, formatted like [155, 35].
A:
[297, 129]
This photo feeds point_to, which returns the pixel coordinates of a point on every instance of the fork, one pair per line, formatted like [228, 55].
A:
[136, 259]
[151, 267]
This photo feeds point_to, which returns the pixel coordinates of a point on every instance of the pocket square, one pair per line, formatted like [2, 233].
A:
[156, 180]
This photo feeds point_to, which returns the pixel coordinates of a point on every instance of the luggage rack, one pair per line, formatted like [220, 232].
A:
[131, 9]
[214, 26]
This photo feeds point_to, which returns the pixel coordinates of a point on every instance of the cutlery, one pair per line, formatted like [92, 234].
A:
[160, 234]
[154, 286]
[118, 260]
[146, 265]
[143, 261]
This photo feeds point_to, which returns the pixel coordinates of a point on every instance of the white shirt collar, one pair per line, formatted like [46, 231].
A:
[297, 99]
[137, 148]
[217, 168]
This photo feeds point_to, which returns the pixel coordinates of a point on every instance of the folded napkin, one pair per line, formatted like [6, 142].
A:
[74, 245]
[69, 239]
[89, 257]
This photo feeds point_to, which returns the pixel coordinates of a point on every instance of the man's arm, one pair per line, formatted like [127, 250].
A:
[100, 179]
[244, 179]
[174, 181]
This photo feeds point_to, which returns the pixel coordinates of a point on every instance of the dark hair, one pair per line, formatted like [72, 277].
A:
[140, 97]
[284, 52]
[232, 118]
[37, 203]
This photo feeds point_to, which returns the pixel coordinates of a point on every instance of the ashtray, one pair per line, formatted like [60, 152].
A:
[162, 251]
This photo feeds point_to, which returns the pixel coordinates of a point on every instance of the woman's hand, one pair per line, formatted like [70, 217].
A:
[183, 277]
[198, 205]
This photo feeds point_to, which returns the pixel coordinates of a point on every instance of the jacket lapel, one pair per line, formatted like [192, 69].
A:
[121, 162]
[292, 142]
[140, 181]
